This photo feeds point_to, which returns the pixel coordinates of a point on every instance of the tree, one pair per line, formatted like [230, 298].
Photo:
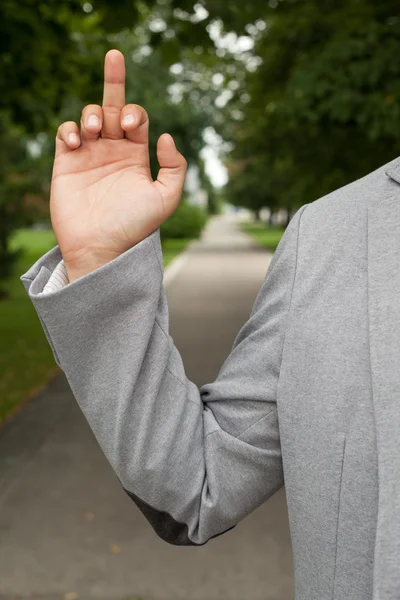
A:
[316, 101]
[52, 60]
[39, 60]
[331, 94]
[17, 177]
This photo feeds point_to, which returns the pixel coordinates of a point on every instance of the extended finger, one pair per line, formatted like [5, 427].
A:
[113, 94]
[68, 137]
[91, 122]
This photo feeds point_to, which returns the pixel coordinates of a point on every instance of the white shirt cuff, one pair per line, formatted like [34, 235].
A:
[58, 279]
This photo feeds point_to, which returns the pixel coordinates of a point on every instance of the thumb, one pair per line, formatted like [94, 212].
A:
[171, 176]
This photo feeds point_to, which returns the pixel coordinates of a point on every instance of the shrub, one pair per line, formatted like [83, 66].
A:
[186, 222]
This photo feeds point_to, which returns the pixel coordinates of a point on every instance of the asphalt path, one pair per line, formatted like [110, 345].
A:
[67, 530]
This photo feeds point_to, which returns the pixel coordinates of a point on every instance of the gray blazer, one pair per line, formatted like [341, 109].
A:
[309, 396]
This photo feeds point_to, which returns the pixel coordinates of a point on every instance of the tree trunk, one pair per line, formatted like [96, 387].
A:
[7, 256]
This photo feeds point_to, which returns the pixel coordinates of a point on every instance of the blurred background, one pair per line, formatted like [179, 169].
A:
[274, 104]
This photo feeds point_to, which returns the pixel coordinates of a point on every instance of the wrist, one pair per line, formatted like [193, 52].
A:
[80, 266]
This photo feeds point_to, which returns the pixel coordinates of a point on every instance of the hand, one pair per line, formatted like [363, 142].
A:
[103, 199]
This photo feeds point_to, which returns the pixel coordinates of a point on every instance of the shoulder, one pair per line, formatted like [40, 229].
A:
[334, 227]
[342, 208]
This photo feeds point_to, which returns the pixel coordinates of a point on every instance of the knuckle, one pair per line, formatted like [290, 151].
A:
[142, 112]
[110, 109]
[91, 108]
[63, 127]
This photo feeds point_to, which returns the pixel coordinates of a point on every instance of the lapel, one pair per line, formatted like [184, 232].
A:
[384, 324]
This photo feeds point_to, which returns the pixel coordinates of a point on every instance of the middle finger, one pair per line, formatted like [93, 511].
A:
[113, 95]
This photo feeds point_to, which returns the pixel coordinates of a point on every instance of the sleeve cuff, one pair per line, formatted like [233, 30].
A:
[125, 276]
[39, 275]
[58, 279]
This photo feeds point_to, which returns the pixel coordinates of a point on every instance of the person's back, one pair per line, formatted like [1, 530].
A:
[308, 396]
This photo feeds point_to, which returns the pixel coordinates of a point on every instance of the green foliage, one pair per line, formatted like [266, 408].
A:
[213, 203]
[171, 247]
[19, 175]
[315, 103]
[49, 52]
[51, 56]
[186, 222]
[25, 355]
[318, 107]
[324, 104]
[184, 120]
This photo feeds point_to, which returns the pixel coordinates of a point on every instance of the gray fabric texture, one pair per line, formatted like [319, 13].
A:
[309, 395]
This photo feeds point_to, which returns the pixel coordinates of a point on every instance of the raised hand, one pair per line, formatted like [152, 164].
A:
[103, 199]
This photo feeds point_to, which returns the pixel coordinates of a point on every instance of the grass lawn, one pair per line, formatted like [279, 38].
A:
[173, 247]
[268, 237]
[26, 360]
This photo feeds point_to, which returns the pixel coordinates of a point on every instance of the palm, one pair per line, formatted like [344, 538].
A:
[106, 195]
[103, 198]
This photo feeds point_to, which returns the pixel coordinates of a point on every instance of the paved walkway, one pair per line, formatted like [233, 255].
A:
[67, 531]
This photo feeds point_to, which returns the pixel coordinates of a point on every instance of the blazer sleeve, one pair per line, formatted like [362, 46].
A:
[195, 461]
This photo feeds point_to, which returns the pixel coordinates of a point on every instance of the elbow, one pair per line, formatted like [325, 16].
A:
[164, 524]
[166, 527]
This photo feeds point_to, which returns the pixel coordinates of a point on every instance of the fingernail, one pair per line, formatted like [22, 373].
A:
[93, 121]
[73, 139]
[128, 120]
